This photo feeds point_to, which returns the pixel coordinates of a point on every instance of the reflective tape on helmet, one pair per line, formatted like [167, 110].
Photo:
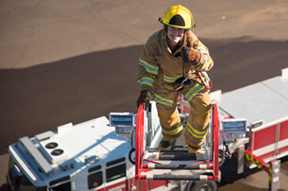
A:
[172, 79]
[146, 80]
[148, 67]
[196, 133]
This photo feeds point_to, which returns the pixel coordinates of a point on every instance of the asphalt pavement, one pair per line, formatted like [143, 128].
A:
[64, 62]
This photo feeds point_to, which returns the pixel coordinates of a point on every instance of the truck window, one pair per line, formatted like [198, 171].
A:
[115, 171]
[12, 175]
[25, 184]
[94, 168]
[95, 180]
[63, 187]
[65, 178]
[21, 182]
[115, 161]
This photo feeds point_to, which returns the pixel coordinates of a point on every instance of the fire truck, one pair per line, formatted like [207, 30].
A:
[120, 153]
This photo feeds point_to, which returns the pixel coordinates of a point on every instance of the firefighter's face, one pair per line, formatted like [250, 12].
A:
[175, 34]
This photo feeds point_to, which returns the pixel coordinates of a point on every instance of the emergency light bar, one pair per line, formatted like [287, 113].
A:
[124, 122]
[233, 128]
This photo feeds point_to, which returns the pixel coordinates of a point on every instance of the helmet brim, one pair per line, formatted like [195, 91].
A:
[177, 26]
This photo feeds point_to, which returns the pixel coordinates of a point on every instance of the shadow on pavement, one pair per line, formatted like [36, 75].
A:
[42, 97]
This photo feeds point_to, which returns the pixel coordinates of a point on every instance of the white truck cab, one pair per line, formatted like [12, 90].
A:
[86, 156]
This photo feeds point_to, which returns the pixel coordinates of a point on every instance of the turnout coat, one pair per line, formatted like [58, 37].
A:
[159, 68]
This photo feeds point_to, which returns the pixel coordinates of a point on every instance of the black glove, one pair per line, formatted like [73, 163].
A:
[144, 97]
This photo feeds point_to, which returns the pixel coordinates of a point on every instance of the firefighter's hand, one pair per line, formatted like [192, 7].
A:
[144, 97]
[189, 54]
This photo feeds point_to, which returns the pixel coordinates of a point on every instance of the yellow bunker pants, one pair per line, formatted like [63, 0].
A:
[198, 119]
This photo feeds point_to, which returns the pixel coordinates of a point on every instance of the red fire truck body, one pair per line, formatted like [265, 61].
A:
[265, 106]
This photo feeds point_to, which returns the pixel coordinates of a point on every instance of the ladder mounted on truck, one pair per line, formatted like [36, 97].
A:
[145, 159]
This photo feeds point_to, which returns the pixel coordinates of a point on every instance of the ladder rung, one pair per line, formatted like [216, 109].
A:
[177, 166]
[183, 156]
[176, 177]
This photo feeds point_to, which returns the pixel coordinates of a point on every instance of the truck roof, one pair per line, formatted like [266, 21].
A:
[72, 148]
[265, 101]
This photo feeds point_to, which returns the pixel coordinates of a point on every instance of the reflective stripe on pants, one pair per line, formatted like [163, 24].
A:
[200, 108]
[171, 125]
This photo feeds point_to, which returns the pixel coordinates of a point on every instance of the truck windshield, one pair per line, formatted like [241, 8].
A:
[18, 180]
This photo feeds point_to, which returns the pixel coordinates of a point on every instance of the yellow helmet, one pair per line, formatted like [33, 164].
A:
[178, 16]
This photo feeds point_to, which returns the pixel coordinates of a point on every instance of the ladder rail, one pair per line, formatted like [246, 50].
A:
[215, 148]
[139, 153]
[139, 141]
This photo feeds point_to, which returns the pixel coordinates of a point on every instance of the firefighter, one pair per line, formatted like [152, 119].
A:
[168, 66]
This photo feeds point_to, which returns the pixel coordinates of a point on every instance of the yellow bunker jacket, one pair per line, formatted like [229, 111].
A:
[159, 67]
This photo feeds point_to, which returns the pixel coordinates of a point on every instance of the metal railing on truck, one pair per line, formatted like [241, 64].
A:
[140, 148]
